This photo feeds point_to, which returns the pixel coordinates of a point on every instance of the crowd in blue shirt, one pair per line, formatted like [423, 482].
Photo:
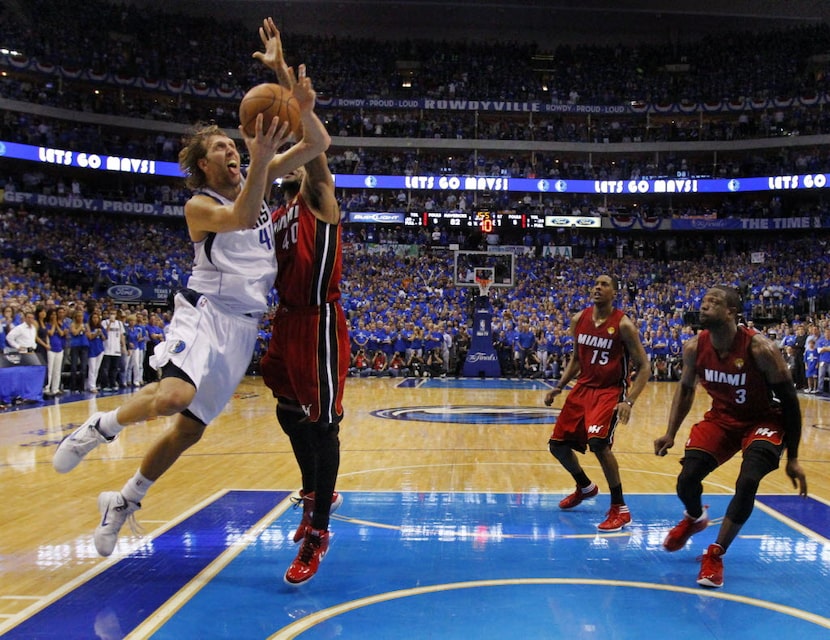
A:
[403, 298]
[398, 286]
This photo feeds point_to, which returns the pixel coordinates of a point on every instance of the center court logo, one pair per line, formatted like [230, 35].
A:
[470, 414]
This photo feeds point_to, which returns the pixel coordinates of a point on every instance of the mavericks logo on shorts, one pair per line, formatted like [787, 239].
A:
[177, 346]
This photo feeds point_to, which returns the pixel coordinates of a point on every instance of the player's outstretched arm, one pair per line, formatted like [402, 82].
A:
[315, 140]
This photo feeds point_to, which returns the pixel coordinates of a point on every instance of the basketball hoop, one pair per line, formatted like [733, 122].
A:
[483, 277]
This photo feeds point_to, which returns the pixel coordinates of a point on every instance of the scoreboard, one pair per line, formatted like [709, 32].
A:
[491, 221]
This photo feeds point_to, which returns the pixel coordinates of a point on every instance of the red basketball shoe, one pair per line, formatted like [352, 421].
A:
[307, 500]
[711, 567]
[617, 517]
[685, 529]
[311, 554]
[569, 502]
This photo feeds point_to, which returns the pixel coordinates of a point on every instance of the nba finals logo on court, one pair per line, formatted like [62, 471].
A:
[471, 414]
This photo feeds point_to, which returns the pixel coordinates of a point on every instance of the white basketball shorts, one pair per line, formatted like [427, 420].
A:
[211, 345]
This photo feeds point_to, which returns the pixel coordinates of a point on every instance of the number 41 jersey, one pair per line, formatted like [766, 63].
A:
[236, 268]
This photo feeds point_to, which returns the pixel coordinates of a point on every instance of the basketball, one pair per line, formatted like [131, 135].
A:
[270, 100]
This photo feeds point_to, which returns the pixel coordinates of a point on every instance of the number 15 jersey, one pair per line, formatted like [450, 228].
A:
[603, 356]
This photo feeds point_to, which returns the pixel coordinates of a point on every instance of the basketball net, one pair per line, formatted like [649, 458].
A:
[483, 286]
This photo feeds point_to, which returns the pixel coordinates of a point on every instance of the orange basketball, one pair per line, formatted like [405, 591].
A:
[270, 100]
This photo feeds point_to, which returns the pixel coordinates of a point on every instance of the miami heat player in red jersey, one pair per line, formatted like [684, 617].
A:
[754, 409]
[308, 354]
[605, 343]
[740, 397]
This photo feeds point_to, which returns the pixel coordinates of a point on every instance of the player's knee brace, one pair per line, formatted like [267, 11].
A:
[291, 421]
[759, 460]
[597, 445]
[696, 466]
[326, 434]
[557, 449]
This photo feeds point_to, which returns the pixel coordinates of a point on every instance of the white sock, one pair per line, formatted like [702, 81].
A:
[589, 488]
[700, 518]
[136, 487]
[109, 425]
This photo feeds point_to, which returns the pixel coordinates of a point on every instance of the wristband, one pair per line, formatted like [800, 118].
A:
[629, 403]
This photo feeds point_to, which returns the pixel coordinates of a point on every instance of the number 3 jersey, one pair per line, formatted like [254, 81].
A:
[603, 357]
[236, 268]
[738, 389]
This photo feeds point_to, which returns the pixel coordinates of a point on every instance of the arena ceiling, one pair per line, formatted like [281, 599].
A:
[548, 22]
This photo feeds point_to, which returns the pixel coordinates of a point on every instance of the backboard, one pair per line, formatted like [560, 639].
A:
[502, 264]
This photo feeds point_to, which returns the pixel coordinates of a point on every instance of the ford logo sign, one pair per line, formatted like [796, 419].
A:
[124, 292]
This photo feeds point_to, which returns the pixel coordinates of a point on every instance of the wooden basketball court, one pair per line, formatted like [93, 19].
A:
[450, 507]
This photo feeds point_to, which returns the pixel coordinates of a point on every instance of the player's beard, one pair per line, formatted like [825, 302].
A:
[707, 322]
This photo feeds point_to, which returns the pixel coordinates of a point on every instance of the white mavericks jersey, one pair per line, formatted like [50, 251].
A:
[236, 268]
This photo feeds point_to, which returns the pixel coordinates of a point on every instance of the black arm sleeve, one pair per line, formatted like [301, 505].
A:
[785, 392]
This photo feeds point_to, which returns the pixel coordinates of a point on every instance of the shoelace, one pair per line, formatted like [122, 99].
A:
[135, 526]
[308, 549]
[299, 501]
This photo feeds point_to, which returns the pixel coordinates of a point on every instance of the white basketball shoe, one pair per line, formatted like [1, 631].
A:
[77, 444]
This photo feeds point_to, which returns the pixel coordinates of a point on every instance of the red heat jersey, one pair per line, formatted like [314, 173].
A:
[308, 355]
[308, 273]
[603, 357]
[737, 387]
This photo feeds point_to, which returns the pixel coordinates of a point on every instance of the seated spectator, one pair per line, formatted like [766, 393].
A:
[380, 364]
[416, 365]
[360, 364]
[435, 363]
[397, 366]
